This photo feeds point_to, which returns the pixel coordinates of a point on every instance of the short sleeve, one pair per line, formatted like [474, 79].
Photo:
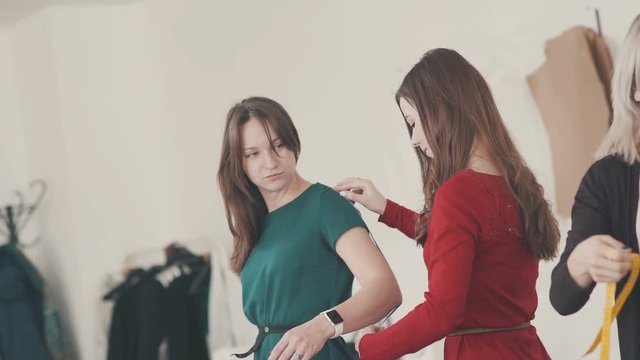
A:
[337, 215]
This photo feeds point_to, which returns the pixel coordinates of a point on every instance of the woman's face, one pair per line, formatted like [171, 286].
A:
[270, 171]
[418, 139]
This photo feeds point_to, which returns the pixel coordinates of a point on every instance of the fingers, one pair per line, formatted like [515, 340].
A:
[344, 181]
[606, 270]
[285, 353]
[279, 350]
[603, 275]
[611, 242]
[292, 347]
[288, 353]
[352, 196]
[603, 263]
[614, 251]
[617, 255]
[305, 356]
[351, 184]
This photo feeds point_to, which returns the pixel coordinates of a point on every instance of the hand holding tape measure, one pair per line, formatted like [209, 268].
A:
[611, 309]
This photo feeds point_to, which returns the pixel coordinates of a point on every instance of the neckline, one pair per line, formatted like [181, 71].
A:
[484, 173]
[293, 201]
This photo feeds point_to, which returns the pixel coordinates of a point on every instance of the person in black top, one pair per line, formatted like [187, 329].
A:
[604, 215]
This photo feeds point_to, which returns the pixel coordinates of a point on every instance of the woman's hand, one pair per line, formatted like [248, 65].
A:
[362, 191]
[599, 258]
[304, 341]
[371, 329]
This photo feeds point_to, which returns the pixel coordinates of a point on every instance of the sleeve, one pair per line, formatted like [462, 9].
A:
[399, 217]
[449, 254]
[337, 215]
[588, 217]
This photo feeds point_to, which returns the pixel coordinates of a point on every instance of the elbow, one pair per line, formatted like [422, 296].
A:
[561, 304]
[392, 296]
[564, 311]
[454, 324]
[383, 293]
[566, 295]
[452, 319]
[395, 297]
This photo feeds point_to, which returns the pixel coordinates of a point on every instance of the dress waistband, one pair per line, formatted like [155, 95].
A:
[460, 332]
[263, 331]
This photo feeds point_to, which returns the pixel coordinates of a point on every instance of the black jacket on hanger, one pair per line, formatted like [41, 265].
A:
[152, 317]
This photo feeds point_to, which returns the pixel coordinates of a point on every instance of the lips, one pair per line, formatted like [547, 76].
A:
[273, 176]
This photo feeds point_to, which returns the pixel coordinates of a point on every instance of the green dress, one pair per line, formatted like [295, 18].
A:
[294, 272]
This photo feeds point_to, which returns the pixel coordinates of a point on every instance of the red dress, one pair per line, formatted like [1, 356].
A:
[480, 276]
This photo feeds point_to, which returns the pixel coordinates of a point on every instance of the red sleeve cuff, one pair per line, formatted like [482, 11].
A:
[390, 209]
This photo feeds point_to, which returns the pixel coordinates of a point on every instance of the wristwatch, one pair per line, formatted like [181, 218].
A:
[336, 321]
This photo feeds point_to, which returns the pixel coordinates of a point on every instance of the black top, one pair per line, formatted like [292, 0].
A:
[606, 203]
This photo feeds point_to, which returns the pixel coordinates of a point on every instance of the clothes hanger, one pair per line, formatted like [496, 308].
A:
[16, 217]
[178, 260]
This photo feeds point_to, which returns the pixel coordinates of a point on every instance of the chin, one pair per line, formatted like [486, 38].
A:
[274, 186]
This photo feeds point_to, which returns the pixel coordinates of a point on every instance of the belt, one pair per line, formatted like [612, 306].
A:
[473, 331]
[263, 331]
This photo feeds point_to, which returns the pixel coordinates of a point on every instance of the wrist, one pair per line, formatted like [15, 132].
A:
[381, 207]
[578, 271]
[324, 326]
[334, 319]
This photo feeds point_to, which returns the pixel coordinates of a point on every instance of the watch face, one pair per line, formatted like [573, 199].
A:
[334, 317]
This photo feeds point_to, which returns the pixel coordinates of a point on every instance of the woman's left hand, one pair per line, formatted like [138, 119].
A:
[305, 341]
[371, 329]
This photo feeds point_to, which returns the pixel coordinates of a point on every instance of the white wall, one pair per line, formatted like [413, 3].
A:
[120, 106]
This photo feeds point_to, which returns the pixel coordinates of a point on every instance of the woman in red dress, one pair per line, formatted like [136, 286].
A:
[484, 227]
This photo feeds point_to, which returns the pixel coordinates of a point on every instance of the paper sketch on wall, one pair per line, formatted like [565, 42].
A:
[571, 90]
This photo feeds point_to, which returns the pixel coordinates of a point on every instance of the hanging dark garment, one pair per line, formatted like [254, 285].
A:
[21, 308]
[123, 334]
[162, 314]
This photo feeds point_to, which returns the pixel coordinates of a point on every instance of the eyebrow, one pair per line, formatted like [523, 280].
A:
[255, 147]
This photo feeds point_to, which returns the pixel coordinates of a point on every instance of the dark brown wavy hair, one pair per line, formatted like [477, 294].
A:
[244, 206]
[456, 109]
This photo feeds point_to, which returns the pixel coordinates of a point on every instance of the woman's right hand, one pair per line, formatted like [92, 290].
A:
[599, 258]
[362, 191]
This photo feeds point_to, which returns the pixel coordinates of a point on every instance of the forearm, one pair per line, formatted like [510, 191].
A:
[425, 324]
[372, 302]
[566, 295]
[399, 217]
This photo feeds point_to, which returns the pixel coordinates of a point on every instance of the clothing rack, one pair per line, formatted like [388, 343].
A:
[153, 255]
[179, 261]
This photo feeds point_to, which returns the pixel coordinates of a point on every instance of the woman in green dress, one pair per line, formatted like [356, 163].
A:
[297, 245]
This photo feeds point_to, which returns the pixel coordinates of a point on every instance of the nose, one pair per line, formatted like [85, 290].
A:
[271, 160]
[415, 142]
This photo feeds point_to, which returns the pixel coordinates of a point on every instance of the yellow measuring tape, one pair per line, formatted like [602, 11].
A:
[611, 310]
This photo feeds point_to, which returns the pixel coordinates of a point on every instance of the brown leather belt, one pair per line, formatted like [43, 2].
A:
[474, 331]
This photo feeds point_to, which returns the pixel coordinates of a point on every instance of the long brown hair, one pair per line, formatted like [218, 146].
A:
[456, 109]
[244, 206]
